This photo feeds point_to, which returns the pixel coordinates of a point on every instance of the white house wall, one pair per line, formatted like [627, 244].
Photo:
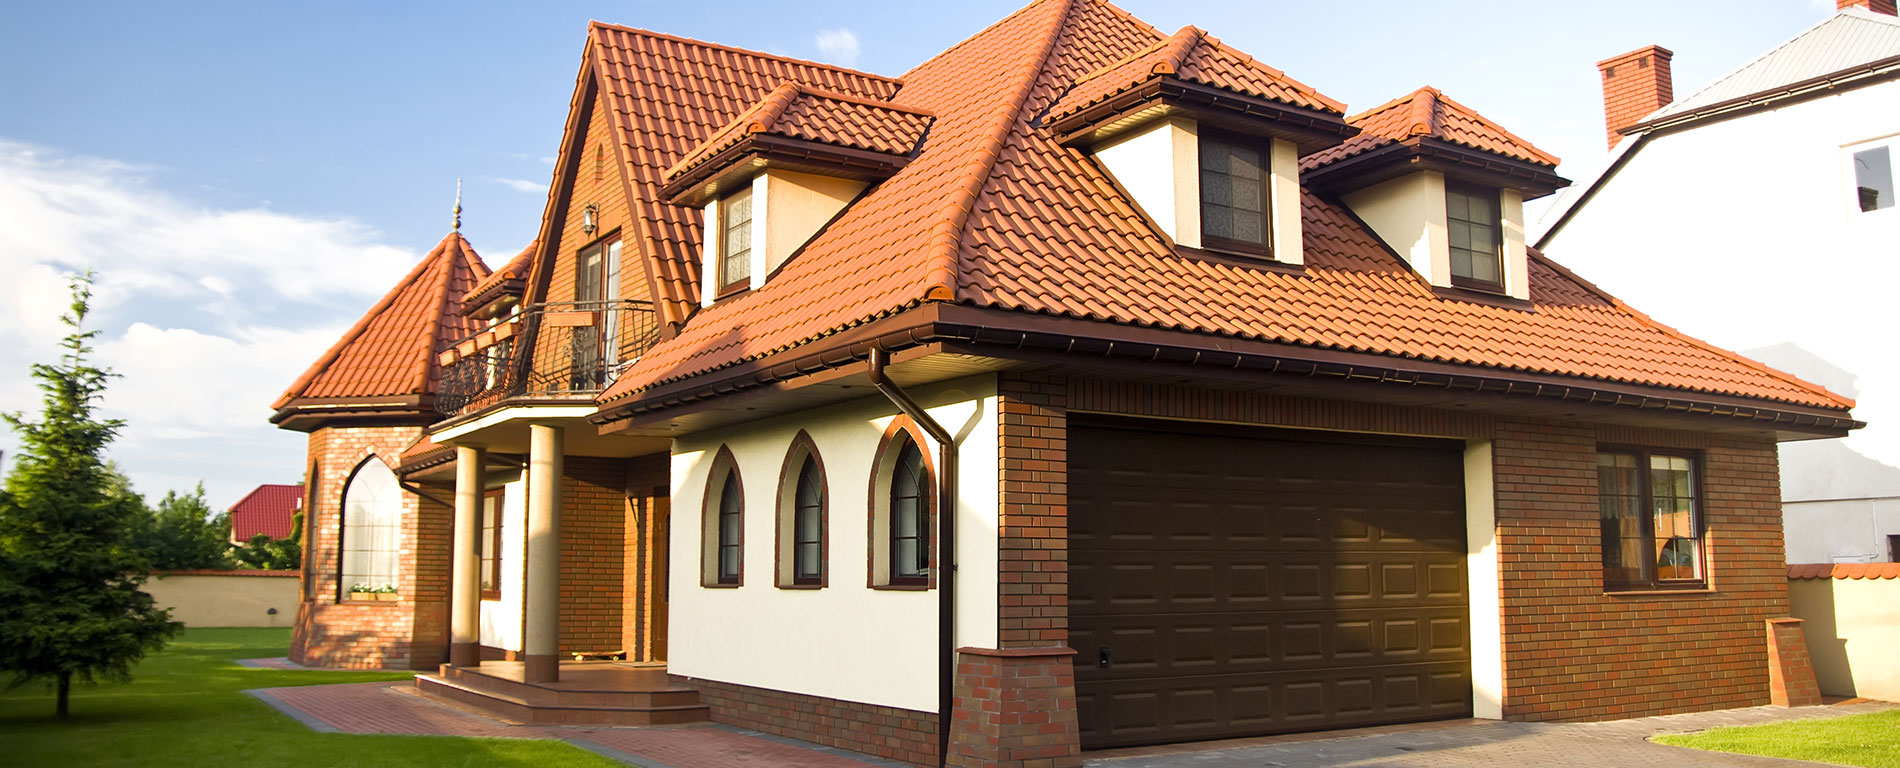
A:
[501, 618]
[845, 641]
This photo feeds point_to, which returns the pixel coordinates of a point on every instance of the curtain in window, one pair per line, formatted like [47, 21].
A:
[372, 527]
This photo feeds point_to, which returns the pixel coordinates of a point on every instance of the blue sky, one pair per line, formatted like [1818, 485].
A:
[249, 177]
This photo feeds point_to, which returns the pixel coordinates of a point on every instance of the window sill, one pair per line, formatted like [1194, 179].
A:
[1262, 261]
[717, 585]
[903, 587]
[1656, 592]
[802, 586]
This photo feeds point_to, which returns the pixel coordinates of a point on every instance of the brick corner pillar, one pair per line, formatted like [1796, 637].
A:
[464, 562]
[1015, 707]
[1791, 680]
[541, 653]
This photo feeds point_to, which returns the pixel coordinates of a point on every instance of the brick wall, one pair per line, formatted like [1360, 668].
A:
[410, 632]
[642, 587]
[894, 734]
[1015, 708]
[593, 554]
[1032, 518]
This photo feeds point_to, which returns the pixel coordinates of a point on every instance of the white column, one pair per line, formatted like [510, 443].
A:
[1481, 565]
[541, 646]
[465, 597]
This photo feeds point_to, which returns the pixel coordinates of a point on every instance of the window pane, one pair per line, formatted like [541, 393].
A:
[1458, 233]
[736, 242]
[1873, 178]
[1243, 162]
[728, 562]
[1619, 499]
[1248, 227]
[905, 554]
[1484, 267]
[1217, 221]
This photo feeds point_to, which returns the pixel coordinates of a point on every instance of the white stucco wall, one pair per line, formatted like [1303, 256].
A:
[1743, 233]
[1160, 166]
[501, 618]
[846, 641]
[1843, 531]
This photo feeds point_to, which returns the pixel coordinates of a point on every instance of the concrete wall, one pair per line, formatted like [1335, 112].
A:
[1853, 631]
[227, 599]
[847, 641]
[1846, 531]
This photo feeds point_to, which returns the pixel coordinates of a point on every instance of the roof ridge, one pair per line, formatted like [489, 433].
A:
[1496, 126]
[1425, 112]
[1146, 50]
[1745, 65]
[444, 302]
[736, 49]
[355, 331]
[1174, 50]
[944, 246]
[979, 33]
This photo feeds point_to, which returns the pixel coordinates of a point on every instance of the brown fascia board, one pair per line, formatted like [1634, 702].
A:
[499, 290]
[307, 414]
[1418, 153]
[1005, 333]
[1877, 71]
[1309, 129]
[713, 177]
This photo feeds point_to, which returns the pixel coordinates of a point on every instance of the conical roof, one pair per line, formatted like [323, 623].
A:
[386, 362]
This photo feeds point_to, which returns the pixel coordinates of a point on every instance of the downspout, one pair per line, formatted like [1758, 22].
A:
[946, 542]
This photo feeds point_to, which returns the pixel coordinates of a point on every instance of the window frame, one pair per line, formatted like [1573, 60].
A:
[925, 507]
[489, 563]
[1649, 581]
[816, 473]
[721, 480]
[802, 452]
[343, 593]
[1263, 147]
[1479, 191]
[1851, 175]
[724, 254]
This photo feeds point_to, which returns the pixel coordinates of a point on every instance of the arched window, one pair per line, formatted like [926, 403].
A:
[910, 517]
[731, 517]
[372, 529]
[808, 525]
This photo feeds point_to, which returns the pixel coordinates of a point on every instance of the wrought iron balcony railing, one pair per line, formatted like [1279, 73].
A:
[573, 349]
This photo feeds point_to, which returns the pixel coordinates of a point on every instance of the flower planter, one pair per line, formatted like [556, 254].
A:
[373, 597]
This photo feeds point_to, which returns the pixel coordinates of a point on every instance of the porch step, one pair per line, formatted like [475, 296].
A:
[538, 705]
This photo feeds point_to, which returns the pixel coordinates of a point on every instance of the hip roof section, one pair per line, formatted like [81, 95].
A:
[1430, 113]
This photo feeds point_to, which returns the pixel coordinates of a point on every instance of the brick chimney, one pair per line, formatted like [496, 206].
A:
[1877, 6]
[1636, 84]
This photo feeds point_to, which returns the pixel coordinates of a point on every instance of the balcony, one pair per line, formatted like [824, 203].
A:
[576, 350]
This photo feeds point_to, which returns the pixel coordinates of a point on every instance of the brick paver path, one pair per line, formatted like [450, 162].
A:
[1492, 744]
[395, 707]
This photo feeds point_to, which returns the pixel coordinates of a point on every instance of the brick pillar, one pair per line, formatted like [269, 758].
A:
[1791, 680]
[1634, 85]
[1015, 707]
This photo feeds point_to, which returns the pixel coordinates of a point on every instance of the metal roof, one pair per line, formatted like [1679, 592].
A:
[1851, 38]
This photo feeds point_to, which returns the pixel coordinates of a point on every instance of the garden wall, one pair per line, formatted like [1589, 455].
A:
[1850, 613]
[227, 598]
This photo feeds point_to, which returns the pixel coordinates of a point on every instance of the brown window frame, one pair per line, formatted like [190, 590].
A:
[1264, 248]
[1496, 224]
[809, 467]
[925, 505]
[731, 506]
[724, 255]
[1649, 581]
[489, 562]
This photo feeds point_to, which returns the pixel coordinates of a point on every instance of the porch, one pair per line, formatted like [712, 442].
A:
[583, 693]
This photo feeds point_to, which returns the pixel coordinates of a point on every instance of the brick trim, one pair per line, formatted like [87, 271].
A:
[903, 735]
[878, 494]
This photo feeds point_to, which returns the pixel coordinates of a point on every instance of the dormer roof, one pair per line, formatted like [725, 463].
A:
[509, 280]
[807, 129]
[1192, 67]
[385, 365]
[1426, 127]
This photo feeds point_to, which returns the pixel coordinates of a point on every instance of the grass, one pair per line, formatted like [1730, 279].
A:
[1871, 740]
[185, 706]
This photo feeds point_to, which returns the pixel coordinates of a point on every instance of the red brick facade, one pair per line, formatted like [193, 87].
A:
[410, 632]
[888, 732]
[1015, 708]
[593, 555]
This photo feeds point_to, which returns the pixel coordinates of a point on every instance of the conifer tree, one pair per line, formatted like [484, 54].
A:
[70, 603]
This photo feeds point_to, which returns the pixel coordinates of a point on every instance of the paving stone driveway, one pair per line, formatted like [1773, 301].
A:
[1492, 744]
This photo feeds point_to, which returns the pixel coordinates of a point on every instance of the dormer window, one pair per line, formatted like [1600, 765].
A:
[1234, 195]
[1474, 230]
[735, 241]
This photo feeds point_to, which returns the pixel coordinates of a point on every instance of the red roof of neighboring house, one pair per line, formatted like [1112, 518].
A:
[1844, 571]
[801, 112]
[1193, 55]
[267, 510]
[391, 351]
[993, 212]
[1429, 112]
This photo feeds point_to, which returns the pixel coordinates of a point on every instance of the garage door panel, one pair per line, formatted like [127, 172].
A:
[1225, 585]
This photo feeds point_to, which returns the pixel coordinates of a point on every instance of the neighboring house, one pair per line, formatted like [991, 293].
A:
[1759, 210]
[1089, 372]
[267, 509]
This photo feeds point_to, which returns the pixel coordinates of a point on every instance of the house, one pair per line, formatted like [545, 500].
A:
[1818, 120]
[268, 509]
[1087, 385]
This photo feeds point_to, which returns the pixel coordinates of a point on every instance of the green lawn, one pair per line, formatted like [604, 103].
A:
[185, 707]
[1871, 740]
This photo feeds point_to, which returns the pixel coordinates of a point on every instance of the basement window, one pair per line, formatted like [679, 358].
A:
[1650, 520]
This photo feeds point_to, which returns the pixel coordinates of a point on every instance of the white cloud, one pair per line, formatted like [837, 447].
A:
[840, 46]
[521, 185]
[207, 314]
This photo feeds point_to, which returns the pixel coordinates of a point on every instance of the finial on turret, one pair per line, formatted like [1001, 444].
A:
[457, 226]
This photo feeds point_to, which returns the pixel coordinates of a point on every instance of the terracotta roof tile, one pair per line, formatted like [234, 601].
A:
[1844, 571]
[994, 213]
[800, 112]
[1429, 112]
[391, 350]
[267, 509]
[497, 282]
[1195, 56]
[665, 95]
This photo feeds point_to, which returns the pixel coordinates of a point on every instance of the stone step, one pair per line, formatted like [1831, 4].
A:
[638, 691]
[518, 709]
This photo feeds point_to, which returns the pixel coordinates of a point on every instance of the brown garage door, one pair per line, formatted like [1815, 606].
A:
[1226, 582]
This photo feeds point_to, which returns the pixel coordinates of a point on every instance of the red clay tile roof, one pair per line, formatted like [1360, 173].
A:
[1429, 112]
[267, 510]
[665, 95]
[391, 350]
[994, 213]
[505, 280]
[1195, 56]
[1844, 571]
[800, 112]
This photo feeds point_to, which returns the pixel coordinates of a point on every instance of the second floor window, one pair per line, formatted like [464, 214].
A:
[1234, 196]
[1473, 226]
[735, 240]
